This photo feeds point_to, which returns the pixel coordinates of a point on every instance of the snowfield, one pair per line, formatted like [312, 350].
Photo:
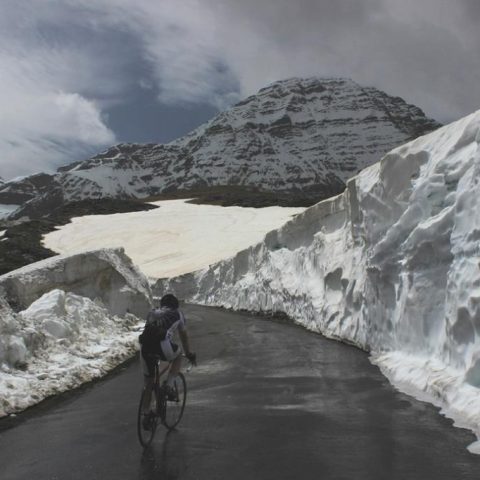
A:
[176, 238]
[391, 265]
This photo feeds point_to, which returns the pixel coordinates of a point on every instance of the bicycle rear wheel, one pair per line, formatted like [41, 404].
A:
[174, 408]
[147, 421]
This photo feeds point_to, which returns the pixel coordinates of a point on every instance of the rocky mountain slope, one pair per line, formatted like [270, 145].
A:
[304, 137]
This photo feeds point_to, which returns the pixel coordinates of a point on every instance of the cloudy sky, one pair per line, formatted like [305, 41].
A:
[79, 75]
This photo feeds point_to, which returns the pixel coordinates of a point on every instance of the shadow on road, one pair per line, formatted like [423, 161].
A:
[165, 458]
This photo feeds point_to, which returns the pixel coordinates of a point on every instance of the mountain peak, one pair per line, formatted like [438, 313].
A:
[299, 136]
[309, 81]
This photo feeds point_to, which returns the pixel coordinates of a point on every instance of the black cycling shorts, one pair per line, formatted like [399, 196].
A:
[168, 351]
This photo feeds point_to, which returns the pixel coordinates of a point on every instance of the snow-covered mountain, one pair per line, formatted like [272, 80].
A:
[391, 265]
[303, 136]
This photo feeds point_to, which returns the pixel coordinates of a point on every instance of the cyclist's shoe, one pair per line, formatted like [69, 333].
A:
[170, 393]
[147, 420]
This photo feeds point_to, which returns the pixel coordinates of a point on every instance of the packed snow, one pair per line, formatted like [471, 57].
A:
[176, 238]
[59, 342]
[391, 265]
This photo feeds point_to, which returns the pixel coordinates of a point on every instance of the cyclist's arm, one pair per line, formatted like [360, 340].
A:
[185, 342]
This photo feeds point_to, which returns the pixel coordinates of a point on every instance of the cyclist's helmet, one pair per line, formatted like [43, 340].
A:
[170, 301]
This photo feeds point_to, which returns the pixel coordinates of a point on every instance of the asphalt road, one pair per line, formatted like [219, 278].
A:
[267, 401]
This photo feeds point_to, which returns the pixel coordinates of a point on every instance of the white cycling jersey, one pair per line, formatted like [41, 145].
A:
[180, 325]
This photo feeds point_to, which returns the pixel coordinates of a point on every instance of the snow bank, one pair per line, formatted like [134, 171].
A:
[59, 342]
[107, 275]
[391, 265]
[67, 320]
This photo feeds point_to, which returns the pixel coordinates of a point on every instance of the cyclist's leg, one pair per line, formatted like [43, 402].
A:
[147, 398]
[174, 370]
[148, 368]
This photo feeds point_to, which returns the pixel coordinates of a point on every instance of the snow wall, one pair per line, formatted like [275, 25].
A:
[106, 274]
[65, 321]
[391, 265]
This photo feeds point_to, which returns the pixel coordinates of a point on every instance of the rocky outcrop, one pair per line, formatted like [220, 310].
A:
[21, 191]
[107, 275]
[301, 136]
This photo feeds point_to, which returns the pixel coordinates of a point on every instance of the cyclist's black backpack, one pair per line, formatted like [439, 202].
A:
[153, 333]
[158, 323]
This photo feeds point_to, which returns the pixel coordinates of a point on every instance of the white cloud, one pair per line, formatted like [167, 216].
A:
[42, 126]
[44, 120]
[44, 129]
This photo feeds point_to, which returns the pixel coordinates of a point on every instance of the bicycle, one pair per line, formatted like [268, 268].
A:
[164, 406]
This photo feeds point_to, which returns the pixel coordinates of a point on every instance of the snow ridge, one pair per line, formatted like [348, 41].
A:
[296, 135]
[391, 265]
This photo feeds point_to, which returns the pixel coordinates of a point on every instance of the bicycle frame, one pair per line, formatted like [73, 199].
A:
[158, 388]
[165, 405]
[159, 373]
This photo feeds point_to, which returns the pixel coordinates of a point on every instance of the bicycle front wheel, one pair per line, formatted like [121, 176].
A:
[176, 405]
[147, 420]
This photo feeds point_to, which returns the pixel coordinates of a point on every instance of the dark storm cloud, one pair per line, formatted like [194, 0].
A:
[472, 9]
[79, 74]
[425, 51]
[141, 118]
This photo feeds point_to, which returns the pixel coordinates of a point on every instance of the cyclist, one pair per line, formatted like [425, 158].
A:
[156, 342]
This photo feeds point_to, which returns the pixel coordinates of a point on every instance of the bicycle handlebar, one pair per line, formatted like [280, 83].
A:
[191, 363]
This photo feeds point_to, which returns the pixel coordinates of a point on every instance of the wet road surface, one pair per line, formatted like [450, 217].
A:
[267, 401]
